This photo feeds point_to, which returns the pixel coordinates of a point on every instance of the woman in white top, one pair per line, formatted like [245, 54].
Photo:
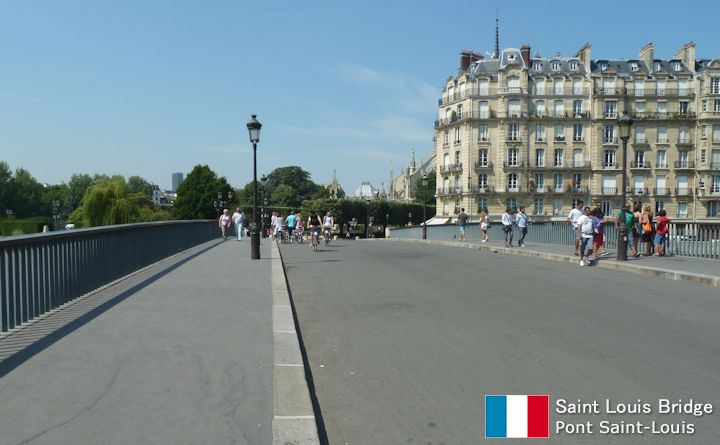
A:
[224, 222]
[484, 226]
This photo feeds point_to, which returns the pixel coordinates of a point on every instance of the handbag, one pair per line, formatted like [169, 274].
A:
[646, 226]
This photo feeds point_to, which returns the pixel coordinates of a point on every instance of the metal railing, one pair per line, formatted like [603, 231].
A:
[41, 272]
[700, 240]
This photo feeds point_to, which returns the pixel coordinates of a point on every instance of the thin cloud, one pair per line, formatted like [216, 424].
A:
[20, 97]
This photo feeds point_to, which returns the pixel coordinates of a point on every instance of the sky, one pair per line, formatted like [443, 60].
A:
[153, 87]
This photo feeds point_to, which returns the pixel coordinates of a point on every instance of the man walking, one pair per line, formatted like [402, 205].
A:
[575, 214]
[522, 220]
[585, 233]
[462, 222]
[507, 222]
[239, 221]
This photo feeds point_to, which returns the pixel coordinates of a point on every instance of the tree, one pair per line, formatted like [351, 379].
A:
[286, 187]
[110, 201]
[426, 193]
[25, 195]
[136, 184]
[5, 178]
[77, 186]
[197, 193]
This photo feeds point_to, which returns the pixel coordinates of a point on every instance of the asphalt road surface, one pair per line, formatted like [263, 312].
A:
[405, 340]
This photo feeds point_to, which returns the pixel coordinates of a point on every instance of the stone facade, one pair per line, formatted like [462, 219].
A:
[517, 130]
[402, 187]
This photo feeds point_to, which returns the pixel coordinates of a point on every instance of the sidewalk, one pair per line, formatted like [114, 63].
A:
[180, 352]
[696, 270]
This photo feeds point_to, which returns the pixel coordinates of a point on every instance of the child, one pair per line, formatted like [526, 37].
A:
[661, 233]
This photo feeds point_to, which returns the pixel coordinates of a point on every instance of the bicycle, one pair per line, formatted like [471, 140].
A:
[327, 233]
[314, 237]
[298, 235]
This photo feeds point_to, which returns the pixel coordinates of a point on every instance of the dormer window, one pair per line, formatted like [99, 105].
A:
[573, 65]
[676, 66]
[537, 66]
[657, 66]
[511, 57]
[555, 66]
[633, 66]
[603, 66]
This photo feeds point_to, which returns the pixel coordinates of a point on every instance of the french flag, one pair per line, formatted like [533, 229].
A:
[517, 416]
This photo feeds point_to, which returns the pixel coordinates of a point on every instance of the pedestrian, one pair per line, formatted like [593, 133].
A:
[462, 222]
[648, 230]
[224, 222]
[279, 222]
[585, 234]
[661, 233]
[598, 231]
[637, 229]
[572, 218]
[484, 225]
[507, 222]
[239, 221]
[299, 227]
[601, 216]
[522, 220]
[625, 216]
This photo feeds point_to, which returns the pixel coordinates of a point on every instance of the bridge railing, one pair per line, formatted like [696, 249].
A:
[41, 272]
[700, 240]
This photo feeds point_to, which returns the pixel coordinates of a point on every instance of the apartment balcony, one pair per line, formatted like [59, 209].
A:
[687, 191]
[640, 142]
[684, 165]
[513, 139]
[645, 92]
[663, 115]
[639, 191]
[610, 166]
[609, 91]
[513, 190]
[662, 191]
[610, 115]
[710, 166]
[662, 141]
[540, 140]
[575, 189]
[610, 140]
[709, 193]
[486, 165]
[453, 168]
[578, 139]
[449, 191]
[559, 139]
[643, 165]
[583, 165]
[514, 90]
[609, 191]
[483, 189]
[684, 142]
[513, 165]
[662, 166]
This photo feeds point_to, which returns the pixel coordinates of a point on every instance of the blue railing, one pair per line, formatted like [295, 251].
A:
[700, 240]
[41, 272]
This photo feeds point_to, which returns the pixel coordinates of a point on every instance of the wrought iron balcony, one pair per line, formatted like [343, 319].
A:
[451, 168]
[486, 165]
[609, 191]
[686, 191]
[512, 165]
[637, 165]
[684, 165]
[662, 191]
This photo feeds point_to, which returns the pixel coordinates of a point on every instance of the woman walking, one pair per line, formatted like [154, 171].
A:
[484, 225]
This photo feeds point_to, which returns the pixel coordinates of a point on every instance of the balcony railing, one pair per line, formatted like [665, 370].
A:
[559, 139]
[513, 138]
[663, 140]
[516, 164]
[662, 191]
[663, 115]
[444, 191]
[609, 91]
[609, 191]
[711, 166]
[578, 139]
[684, 141]
[484, 189]
[610, 140]
[517, 189]
[610, 115]
[687, 191]
[615, 91]
[684, 165]
[486, 165]
[581, 164]
[451, 168]
[639, 164]
[661, 165]
[610, 165]
[640, 141]
[639, 191]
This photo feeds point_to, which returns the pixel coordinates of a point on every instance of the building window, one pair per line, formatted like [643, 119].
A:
[656, 66]
[715, 85]
[483, 158]
[457, 158]
[574, 202]
[684, 134]
[609, 134]
[633, 66]
[662, 109]
[483, 132]
[512, 159]
[577, 107]
[559, 86]
[482, 205]
[540, 157]
[716, 105]
[459, 111]
[578, 158]
[639, 158]
[540, 133]
[660, 85]
[512, 203]
[661, 159]
[610, 107]
[483, 110]
[713, 209]
[577, 182]
[659, 205]
[559, 157]
[540, 181]
[482, 182]
[457, 135]
[540, 87]
[607, 207]
[578, 132]
[514, 108]
[684, 107]
[462, 90]
[559, 132]
[512, 182]
[676, 66]
[715, 184]
[446, 137]
[513, 132]
[640, 108]
[704, 105]
[555, 65]
[537, 66]
[716, 134]
[558, 182]
[573, 65]
[559, 108]
[640, 135]
[603, 66]
[557, 206]
[483, 87]
[513, 84]
[609, 159]
[703, 156]
[682, 209]
[539, 207]
[662, 135]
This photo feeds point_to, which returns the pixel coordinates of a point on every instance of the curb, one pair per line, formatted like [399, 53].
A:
[710, 280]
[293, 416]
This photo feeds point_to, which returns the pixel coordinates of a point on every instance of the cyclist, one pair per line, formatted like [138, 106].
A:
[299, 227]
[290, 223]
[313, 224]
[328, 223]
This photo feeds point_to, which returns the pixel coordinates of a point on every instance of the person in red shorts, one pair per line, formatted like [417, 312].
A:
[661, 231]
[598, 223]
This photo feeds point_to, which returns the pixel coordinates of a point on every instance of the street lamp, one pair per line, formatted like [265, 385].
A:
[367, 221]
[624, 123]
[254, 129]
[424, 198]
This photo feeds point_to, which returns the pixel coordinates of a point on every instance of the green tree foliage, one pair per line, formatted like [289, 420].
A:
[136, 184]
[198, 192]
[345, 210]
[5, 178]
[109, 201]
[286, 187]
[25, 195]
[77, 186]
[426, 193]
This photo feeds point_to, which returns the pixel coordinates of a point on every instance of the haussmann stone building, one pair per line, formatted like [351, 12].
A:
[541, 132]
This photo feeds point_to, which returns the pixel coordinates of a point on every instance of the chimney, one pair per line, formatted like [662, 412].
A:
[687, 55]
[467, 58]
[647, 55]
[584, 55]
[525, 53]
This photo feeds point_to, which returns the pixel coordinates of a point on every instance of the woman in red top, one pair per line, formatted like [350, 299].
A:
[661, 233]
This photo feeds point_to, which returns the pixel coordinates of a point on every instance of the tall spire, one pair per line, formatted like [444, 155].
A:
[497, 35]
[334, 180]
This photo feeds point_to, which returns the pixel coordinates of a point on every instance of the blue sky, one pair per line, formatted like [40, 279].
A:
[157, 86]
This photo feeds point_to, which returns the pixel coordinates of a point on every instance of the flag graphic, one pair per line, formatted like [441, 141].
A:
[517, 416]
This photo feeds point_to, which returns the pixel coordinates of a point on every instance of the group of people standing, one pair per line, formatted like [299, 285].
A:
[236, 220]
[509, 220]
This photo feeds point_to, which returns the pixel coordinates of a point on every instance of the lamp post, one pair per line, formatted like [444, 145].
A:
[424, 198]
[624, 123]
[367, 221]
[254, 129]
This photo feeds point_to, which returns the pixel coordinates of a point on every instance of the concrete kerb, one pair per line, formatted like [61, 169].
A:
[293, 416]
[709, 280]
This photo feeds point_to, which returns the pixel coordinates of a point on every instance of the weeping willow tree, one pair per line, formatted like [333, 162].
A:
[109, 201]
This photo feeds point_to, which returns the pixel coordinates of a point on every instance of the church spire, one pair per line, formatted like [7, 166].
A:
[497, 35]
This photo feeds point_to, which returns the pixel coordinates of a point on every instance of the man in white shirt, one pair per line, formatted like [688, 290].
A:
[575, 214]
[507, 222]
[239, 220]
[585, 233]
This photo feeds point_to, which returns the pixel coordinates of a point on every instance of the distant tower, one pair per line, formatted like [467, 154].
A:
[497, 35]
[177, 178]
